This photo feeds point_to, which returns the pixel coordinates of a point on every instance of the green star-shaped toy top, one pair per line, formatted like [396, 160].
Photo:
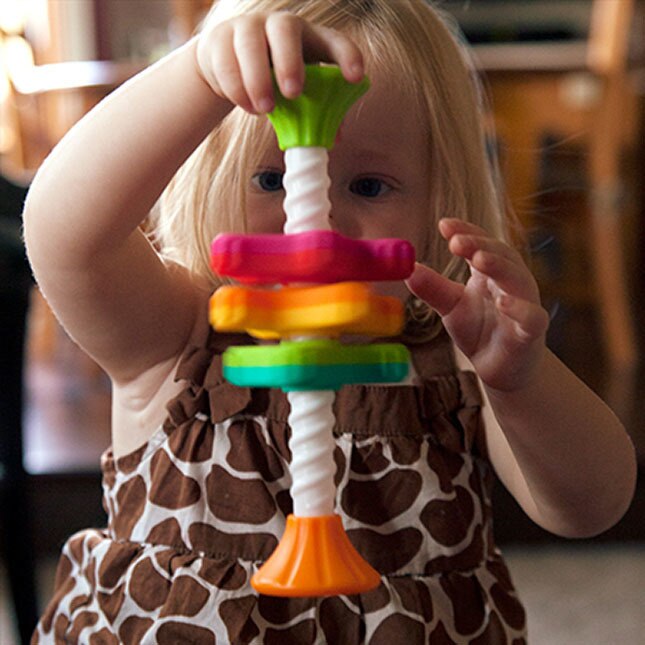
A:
[313, 118]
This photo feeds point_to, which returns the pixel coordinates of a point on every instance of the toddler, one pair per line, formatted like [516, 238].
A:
[196, 483]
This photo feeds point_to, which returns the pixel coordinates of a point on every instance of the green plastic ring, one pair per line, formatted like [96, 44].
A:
[315, 364]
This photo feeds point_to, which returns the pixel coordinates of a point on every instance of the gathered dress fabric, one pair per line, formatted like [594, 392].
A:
[194, 512]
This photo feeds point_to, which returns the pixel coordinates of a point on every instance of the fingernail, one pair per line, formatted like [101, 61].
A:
[356, 72]
[291, 87]
[265, 105]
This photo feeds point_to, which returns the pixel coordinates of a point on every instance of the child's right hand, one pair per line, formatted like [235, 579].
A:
[236, 56]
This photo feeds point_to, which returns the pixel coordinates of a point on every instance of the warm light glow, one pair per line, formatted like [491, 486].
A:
[18, 56]
[17, 17]
[7, 138]
[13, 16]
[7, 134]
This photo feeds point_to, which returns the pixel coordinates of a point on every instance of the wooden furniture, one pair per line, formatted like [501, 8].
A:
[50, 98]
[582, 92]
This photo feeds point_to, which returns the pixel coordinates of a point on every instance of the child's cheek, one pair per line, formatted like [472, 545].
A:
[265, 214]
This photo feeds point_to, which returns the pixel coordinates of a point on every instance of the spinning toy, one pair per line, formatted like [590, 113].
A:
[314, 556]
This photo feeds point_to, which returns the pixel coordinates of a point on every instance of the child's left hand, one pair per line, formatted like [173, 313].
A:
[496, 318]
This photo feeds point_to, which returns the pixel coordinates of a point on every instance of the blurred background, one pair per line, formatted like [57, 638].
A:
[566, 82]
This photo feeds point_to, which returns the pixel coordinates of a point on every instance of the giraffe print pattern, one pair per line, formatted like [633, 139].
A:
[194, 512]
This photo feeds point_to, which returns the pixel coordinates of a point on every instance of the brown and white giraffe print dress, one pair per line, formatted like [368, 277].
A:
[195, 511]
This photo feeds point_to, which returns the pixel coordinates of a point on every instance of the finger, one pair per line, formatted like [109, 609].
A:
[465, 246]
[251, 49]
[329, 45]
[509, 276]
[531, 320]
[449, 226]
[284, 35]
[465, 239]
[498, 261]
[293, 41]
[226, 71]
[441, 294]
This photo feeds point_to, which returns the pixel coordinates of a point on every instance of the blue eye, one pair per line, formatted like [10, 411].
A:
[268, 180]
[369, 187]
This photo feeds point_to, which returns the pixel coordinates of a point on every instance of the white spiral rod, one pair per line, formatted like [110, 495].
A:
[312, 448]
[306, 183]
[307, 206]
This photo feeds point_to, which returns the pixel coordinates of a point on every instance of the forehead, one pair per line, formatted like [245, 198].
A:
[387, 116]
[387, 119]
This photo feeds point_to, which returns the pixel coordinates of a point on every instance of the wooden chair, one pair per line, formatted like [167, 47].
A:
[607, 58]
[527, 82]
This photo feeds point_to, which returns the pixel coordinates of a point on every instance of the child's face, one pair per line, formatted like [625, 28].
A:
[378, 169]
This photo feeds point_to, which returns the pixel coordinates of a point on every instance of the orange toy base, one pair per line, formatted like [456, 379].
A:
[315, 558]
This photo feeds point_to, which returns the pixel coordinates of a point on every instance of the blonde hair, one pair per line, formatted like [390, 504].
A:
[419, 49]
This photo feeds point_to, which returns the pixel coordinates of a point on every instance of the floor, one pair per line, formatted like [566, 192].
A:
[581, 595]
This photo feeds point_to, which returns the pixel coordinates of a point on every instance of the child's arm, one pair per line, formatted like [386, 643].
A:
[102, 277]
[97, 270]
[556, 446]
